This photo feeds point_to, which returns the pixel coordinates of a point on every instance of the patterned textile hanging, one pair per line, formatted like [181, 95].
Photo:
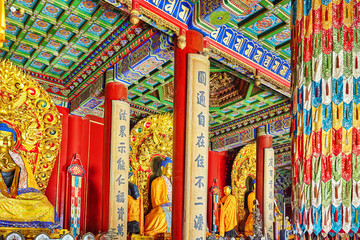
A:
[325, 52]
[76, 171]
[215, 193]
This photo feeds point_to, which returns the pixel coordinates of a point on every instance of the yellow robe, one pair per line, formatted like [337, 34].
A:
[228, 218]
[250, 221]
[133, 209]
[155, 221]
[30, 208]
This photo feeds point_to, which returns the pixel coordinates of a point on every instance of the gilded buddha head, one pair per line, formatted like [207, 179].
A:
[166, 167]
[227, 190]
[7, 138]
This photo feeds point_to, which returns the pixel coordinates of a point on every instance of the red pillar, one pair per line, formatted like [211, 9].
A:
[194, 44]
[113, 91]
[74, 146]
[263, 140]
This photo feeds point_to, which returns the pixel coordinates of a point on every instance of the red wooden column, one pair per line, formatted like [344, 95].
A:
[263, 140]
[74, 146]
[113, 91]
[194, 44]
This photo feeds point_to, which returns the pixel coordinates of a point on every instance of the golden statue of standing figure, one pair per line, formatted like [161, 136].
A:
[228, 214]
[159, 218]
[249, 205]
[22, 204]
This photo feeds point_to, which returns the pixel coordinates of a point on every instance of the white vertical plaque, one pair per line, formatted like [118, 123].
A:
[268, 200]
[196, 148]
[119, 168]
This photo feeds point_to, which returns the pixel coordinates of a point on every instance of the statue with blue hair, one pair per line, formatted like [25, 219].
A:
[159, 218]
[21, 202]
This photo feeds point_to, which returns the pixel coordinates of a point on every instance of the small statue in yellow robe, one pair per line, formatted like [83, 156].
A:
[159, 218]
[22, 205]
[249, 205]
[228, 218]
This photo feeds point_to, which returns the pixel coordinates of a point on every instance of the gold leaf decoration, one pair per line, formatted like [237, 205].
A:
[26, 106]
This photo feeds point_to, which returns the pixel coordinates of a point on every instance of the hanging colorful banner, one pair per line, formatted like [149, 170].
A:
[197, 146]
[119, 168]
[268, 200]
[76, 171]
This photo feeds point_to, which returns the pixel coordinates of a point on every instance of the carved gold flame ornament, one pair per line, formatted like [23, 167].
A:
[26, 106]
[244, 165]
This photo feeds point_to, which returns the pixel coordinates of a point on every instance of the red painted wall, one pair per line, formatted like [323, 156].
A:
[83, 136]
[216, 170]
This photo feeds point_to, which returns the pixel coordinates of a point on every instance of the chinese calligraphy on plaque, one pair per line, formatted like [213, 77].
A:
[196, 159]
[119, 168]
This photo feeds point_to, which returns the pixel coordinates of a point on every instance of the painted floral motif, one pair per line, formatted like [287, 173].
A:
[18, 58]
[65, 61]
[56, 70]
[33, 37]
[51, 10]
[42, 24]
[75, 20]
[109, 16]
[25, 48]
[280, 37]
[96, 28]
[17, 16]
[265, 24]
[37, 64]
[54, 44]
[10, 27]
[74, 51]
[46, 55]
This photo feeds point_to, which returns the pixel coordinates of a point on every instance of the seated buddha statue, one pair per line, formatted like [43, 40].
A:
[228, 218]
[159, 218]
[249, 205]
[21, 202]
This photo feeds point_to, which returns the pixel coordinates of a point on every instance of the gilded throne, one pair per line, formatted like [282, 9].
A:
[30, 135]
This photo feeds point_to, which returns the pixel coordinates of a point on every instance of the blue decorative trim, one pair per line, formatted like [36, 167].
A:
[27, 190]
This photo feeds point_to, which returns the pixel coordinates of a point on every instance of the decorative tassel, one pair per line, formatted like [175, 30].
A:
[347, 87]
[326, 15]
[317, 91]
[356, 217]
[327, 89]
[337, 62]
[356, 61]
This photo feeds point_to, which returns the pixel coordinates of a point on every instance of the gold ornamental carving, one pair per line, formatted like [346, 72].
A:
[244, 165]
[150, 137]
[26, 106]
[159, 20]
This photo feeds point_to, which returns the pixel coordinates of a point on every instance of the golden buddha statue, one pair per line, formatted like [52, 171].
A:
[249, 205]
[22, 205]
[159, 218]
[228, 218]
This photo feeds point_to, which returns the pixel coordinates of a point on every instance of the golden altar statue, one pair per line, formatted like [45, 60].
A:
[244, 166]
[30, 136]
[151, 141]
[159, 218]
[228, 214]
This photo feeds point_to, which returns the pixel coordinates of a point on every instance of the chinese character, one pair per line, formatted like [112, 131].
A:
[201, 98]
[122, 148]
[121, 164]
[120, 229]
[199, 203]
[201, 142]
[122, 131]
[270, 217]
[200, 238]
[121, 213]
[120, 198]
[199, 183]
[270, 206]
[271, 163]
[198, 222]
[271, 195]
[122, 115]
[120, 180]
[202, 77]
[200, 161]
[271, 183]
[201, 118]
[271, 172]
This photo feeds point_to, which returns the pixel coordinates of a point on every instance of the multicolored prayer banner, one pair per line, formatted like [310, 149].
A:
[196, 148]
[268, 200]
[119, 168]
[76, 171]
